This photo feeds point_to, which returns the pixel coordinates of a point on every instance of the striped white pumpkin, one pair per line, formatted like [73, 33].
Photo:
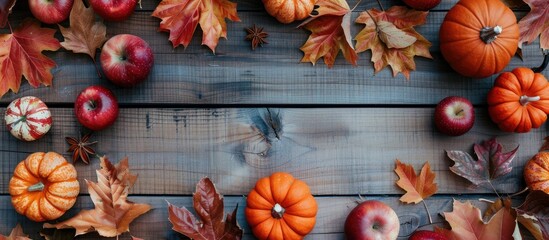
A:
[28, 118]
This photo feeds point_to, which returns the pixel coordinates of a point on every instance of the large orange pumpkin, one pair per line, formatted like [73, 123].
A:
[281, 207]
[519, 100]
[44, 186]
[536, 172]
[479, 37]
[287, 11]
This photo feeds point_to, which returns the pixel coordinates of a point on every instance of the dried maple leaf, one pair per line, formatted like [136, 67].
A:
[535, 23]
[84, 35]
[417, 188]
[181, 17]
[492, 163]
[5, 10]
[16, 234]
[467, 223]
[391, 37]
[536, 210]
[330, 32]
[208, 204]
[113, 213]
[20, 55]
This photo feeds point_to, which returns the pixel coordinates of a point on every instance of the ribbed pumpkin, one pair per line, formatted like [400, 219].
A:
[28, 118]
[519, 100]
[536, 172]
[479, 37]
[44, 186]
[281, 207]
[287, 11]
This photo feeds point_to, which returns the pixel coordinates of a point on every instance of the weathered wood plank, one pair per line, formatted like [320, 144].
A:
[338, 151]
[269, 75]
[330, 218]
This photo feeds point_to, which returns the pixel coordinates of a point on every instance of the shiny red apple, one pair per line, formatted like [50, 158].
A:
[454, 116]
[427, 235]
[126, 60]
[51, 11]
[372, 220]
[96, 108]
[422, 5]
[113, 10]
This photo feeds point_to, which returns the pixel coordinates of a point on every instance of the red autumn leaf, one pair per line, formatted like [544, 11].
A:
[467, 223]
[535, 23]
[21, 55]
[391, 37]
[5, 10]
[536, 209]
[113, 211]
[181, 17]
[208, 204]
[16, 234]
[492, 163]
[330, 32]
[418, 188]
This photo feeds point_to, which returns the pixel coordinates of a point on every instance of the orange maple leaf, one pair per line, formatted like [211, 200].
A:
[16, 234]
[391, 37]
[113, 212]
[21, 55]
[181, 17]
[467, 223]
[417, 188]
[330, 33]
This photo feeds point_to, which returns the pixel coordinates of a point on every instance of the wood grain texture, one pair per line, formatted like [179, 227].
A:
[270, 75]
[330, 218]
[338, 151]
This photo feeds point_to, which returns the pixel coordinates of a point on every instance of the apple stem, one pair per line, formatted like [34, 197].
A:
[92, 104]
[278, 211]
[490, 34]
[428, 213]
[36, 187]
[524, 100]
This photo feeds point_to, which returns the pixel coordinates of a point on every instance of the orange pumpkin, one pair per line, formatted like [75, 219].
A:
[536, 172]
[281, 207]
[44, 186]
[519, 100]
[287, 11]
[479, 37]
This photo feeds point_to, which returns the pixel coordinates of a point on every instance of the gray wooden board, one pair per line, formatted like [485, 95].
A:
[338, 151]
[330, 218]
[269, 75]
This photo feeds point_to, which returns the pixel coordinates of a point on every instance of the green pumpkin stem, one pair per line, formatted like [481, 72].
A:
[36, 187]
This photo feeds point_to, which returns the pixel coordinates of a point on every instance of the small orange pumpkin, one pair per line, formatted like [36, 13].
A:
[287, 11]
[43, 186]
[479, 37]
[519, 100]
[536, 172]
[281, 207]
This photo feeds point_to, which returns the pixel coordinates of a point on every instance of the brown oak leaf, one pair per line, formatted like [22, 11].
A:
[492, 163]
[534, 214]
[330, 32]
[16, 234]
[181, 17]
[21, 55]
[208, 204]
[467, 223]
[391, 37]
[5, 10]
[113, 212]
[84, 35]
[418, 188]
[535, 23]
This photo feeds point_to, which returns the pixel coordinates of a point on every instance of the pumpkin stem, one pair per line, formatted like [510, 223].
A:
[544, 64]
[278, 211]
[489, 34]
[525, 99]
[36, 187]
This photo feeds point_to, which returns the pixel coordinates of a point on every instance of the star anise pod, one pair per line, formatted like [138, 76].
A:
[80, 148]
[257, 36]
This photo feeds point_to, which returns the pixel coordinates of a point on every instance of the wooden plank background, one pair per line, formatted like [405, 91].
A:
[240, 115]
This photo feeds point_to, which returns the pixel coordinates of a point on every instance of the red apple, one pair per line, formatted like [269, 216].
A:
[113, 10]
[126, 60]
[372, 220]
[454, 116]
[51, 11]
[96, 108]
[422, 5]
[427, 235]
